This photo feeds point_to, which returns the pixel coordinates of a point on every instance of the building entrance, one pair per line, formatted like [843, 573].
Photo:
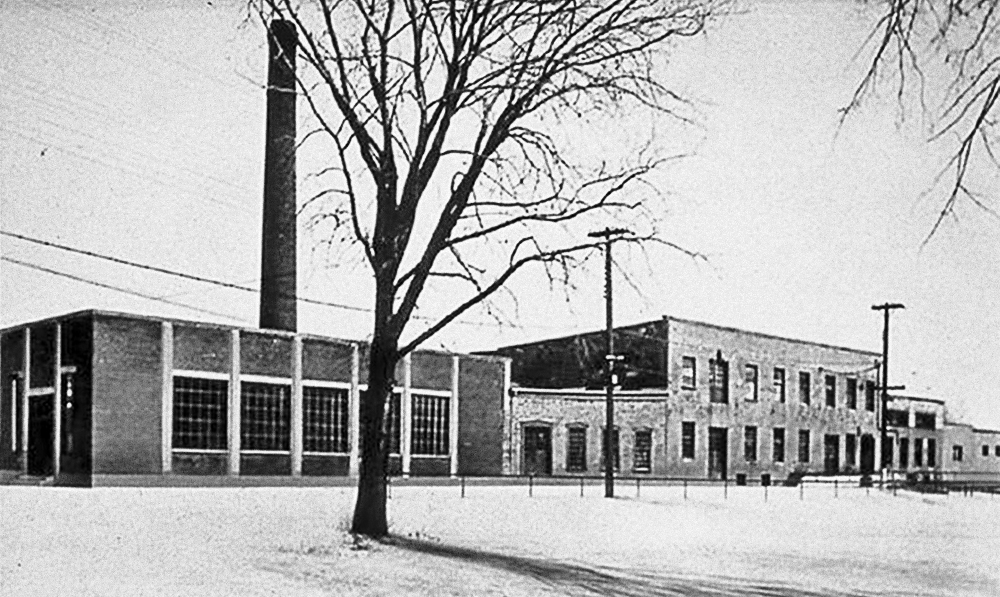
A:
[718, 452]
[41, 429]
[537, 450]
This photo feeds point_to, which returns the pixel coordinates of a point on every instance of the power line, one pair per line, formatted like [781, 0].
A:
[116, 288]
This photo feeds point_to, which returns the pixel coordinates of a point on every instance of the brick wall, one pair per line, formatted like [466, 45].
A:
[201, 348]
[480, 416]
[126, 396]
[328, 361]
[263, 354]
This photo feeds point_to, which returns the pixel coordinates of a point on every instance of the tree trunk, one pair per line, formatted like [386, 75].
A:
[369, 511]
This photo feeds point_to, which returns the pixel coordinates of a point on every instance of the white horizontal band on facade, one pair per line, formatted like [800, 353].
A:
[198, 451]
[41, 391]
[266, 452]
[430, 456]
[201, 374]
[319, 383]
[269, 379]
[399, 390]
[326, 453]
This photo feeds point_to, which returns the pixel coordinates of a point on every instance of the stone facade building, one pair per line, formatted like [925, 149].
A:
[698, 400]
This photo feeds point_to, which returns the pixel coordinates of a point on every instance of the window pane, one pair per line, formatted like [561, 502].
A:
[750, 376]
[200, 413]
[831, 391]
[779, 445]
[265, 416]
[687, 439]
[779, 384]
[804, 449]
[805, 387]
[688, 373]
[324, 420]
[750, 444]
[429, 421]
[643, 450]
[576, 449]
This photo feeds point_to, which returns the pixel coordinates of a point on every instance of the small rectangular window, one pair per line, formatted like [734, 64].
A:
[779, 384]
[851, 449]
[265, 416]
[904, 453]
[918, 451]
[643, 455]
[688, 373]
[996, 450]
[931, 452]
[778, 448]
[201, 408]
[924, 420]
[956, 453]
[718, 384]
[870, 395]
[804, 448]
[852, 393]
[750, 376]
[324, 420]
[831, 391]
[687, 439]
[750, 444]
[576, 449]
[897, 418]
[986, 450]
[805, 387]
[430, 425]
[614, 448]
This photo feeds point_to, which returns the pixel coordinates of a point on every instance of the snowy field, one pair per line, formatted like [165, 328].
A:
[498, 541]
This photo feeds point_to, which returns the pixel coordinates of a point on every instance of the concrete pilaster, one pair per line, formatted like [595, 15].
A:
[354, 436]
[57, 407]
[234, 403]
[453, 417]
[296, 435]
[166, 397]
[26, 377]
[406, 407]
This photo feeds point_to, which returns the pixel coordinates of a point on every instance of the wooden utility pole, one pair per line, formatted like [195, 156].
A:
[883, 427]
[609, 235]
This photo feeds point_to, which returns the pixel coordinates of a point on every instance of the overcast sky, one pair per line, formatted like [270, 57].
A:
[138, 133]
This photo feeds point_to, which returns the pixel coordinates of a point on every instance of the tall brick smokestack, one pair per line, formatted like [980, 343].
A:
[278, 247]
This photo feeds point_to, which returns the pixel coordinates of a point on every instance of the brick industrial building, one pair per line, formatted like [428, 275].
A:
[107, 398]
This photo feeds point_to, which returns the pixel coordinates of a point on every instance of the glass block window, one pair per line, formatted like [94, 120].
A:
[265, 416]
[688, 373]
[831, 390]
[643, 455]
[778, 446]
[718, 381]
[325, 420]
[804, 448]
[614, 448]
[805, 387]
[687, 439]
[852, 393]
[751, 375]
[430, 425]
[750, 444]
[576, 449]
[200, 413]
[851, 449]
[931, 452]
[779, 384]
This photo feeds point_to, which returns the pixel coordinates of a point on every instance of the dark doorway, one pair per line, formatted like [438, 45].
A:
[831, 454]
[867, 453]
[718, 452]
[537, 450]
[41, 427]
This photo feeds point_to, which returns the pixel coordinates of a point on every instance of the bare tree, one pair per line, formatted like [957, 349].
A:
[442, 119]
[915, 42]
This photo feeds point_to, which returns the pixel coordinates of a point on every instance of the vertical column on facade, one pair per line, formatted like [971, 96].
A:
[406, 407]
[57, 404]
[296, 439]
[57, 410]
[508, 419]
[234, 403]
[453, 417]
[355, 411]
[26, 376]
[911, 417]
[166, 397]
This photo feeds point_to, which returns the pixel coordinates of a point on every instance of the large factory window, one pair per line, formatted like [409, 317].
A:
[870, 395]
[805, 387]
[851, 449]
[852, 393]
[831, 391]
[779, 384]
[265, 417]
[576, 449]
[324, 419]
[430, 425]
[688, 373]
[718, 380]
[200, 413]
[751, 376]
[750, 444]
[804, 448]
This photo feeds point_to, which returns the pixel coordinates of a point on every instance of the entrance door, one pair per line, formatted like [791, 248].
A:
[867, 453]
[718, 452]
[537, 450]
[831, 454]
[41, 427]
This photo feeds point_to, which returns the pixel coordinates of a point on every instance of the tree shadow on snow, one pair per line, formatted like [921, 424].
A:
[609, 581]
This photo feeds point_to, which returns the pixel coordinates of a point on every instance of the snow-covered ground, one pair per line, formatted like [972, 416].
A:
[497, 540]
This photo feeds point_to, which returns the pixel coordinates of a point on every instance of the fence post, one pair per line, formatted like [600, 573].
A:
[834, 488]
[463, 486]
[685, 489]
[765, 493]
[531, 485]
[637, 481]
[725, 488]
[802, 490]
[581, 486]
[388, 487]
